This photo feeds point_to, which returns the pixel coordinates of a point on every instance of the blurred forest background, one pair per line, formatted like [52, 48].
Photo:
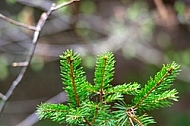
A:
[143, 35]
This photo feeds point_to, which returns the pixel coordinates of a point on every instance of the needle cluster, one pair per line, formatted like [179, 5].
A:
[103, 104]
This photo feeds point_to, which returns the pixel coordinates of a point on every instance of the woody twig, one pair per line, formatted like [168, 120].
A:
[37, 30]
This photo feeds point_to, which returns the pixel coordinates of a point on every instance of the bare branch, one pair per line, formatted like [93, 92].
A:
[16, 64]
[38, 28]
[2, 96]
[32, 119]
[63, 4]
[17, 23]
[33, 27]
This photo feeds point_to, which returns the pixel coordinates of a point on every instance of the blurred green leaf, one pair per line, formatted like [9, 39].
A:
[65, 9]
[185, 57]
[11, 1]
[164, 40]
[88, 7]
[37, 63]
[134, 11]
[88, 61]
[179, 6]
[3, 68]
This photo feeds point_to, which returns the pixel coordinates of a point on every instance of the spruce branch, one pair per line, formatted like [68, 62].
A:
[73, 77]
[104, 73]
[116, 93]
[155, 87]
[85, 109]
[146, 120]
[95, 114]
[75, 81]
[103, 114]
[55, 112]
[120, 113]
[131, 88]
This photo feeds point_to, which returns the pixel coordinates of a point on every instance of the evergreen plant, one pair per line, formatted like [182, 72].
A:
[101, 104]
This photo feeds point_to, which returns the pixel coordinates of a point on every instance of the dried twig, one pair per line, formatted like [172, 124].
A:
[17, 23]
[38, 29]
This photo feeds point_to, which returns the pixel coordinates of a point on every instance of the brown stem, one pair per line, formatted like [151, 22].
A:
[74, 86]
[73, 81]
[87, 121]
[132, 117]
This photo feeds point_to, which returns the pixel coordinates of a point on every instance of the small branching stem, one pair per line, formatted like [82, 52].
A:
[86, 120]
[131, 121]
[169, 70]
[131, 117]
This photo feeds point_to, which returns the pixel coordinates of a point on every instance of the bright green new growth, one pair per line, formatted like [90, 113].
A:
[101, 103]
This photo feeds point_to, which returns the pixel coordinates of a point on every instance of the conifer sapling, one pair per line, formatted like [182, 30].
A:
[103, 104]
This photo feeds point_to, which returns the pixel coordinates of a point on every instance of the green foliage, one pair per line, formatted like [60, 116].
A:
[179, 6]
[87, 6]
[103, 104]
[3, 68]
[11, 1]
[156, 92]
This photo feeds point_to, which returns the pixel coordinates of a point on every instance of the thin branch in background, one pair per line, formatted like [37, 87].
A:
[37, 32]
[63, 4]
[17, 23]
[32, 119]
[167, 14]
[2, 96]
[161, 8]
[19, 64]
